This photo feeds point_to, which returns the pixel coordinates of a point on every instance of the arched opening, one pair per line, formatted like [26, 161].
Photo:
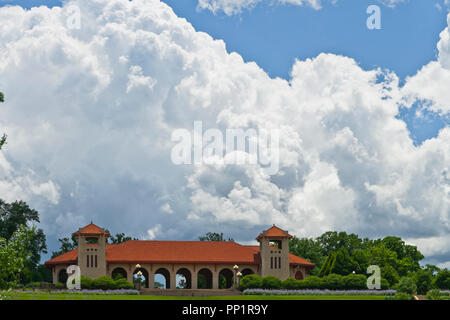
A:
[162, 278]
[299, 275]
[184, 279]
[91, 240]
[118, 273]
[246, 272]
[141, 277]
[204, 279]
[62, 276]
[226, 277]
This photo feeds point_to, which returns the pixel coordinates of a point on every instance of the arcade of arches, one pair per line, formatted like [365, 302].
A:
[181, 277]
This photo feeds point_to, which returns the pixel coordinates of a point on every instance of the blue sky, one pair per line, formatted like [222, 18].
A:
[274, 35]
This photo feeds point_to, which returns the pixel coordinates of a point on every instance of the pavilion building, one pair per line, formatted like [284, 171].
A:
[190, 259]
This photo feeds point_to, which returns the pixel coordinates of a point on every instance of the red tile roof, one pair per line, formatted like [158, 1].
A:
[91, 229]
[273, 231]
[214, 252]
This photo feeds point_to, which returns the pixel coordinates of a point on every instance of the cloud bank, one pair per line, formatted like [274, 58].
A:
[90, 113]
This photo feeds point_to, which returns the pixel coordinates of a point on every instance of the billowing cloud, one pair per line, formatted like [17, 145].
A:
[432, 81]
[90, 113]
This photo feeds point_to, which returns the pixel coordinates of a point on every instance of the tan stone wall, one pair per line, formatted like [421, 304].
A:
[55, 271]
[269, 254]
[294, 269]
[98, 251]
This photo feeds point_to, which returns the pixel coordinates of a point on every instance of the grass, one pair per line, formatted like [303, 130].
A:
[50, 296]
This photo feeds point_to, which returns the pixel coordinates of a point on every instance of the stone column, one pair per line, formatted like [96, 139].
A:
[55, 275]
[215, 280]
[129, 270]
[151, 279]
[173, 279]
[194, 279]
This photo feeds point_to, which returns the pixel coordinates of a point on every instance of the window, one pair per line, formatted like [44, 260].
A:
[87, 261]
[275, 262]
[279, 262]
[271, 262]
[92, 261]
[96, 261]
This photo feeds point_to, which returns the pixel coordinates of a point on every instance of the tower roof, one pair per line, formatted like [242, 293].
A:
[274, 232]
[91, 230]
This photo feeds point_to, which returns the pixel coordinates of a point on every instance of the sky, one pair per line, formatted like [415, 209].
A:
[363, 116]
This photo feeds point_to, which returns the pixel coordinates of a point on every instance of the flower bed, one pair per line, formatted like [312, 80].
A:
[94, 292]
[317, 292]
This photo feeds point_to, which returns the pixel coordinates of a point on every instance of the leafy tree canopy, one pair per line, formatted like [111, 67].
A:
[12, 216]
[213, 236]
[120, 238]
[14, 255]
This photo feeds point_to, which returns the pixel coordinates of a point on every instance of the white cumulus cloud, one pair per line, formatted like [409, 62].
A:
[90, 113]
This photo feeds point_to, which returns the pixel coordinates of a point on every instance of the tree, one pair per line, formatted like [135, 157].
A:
[407, 256]
[3, 138]
[66, 245]
[14, 253]
[333, 241]
[422, 279]
[432, 269]
[344, 263]
[361, 259]
[390, 274]
[406, 285]
[442, 280]
[182, 284]
[381, 256]
[120, 238]
[328, 265]
[213, 236]
[309, 249]
[12, 216]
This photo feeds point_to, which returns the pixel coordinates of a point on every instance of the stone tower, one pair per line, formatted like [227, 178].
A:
[92, 250]
[274, 251]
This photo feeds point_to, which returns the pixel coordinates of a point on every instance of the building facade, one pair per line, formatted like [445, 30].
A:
[214, 261]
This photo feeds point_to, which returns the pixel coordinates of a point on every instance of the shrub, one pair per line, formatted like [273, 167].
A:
[399, 296]
[334, 282]
[290, 283]
[122, 283]
[251, 281]
[406, 285]
[104, 283]
[442, 280]
[60, 285]
[434, 294]
[312, 282]
[271, 282]
[33, 285]
[355, 282]
[86, 283]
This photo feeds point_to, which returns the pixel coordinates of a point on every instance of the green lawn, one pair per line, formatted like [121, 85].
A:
[50, 296]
